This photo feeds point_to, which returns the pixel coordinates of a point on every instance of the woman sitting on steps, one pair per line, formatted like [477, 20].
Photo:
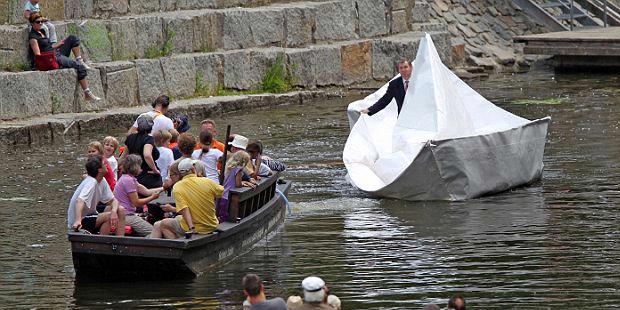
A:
[40, 43]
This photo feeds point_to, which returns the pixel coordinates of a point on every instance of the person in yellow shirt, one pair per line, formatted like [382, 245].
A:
[195, 203]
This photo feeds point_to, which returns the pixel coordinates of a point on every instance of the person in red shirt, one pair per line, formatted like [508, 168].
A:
[96, 148]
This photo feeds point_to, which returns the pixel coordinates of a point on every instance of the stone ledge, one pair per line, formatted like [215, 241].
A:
[131, 83]
[294, 24]
[57, 127]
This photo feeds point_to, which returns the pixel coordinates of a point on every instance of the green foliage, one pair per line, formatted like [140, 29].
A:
[202, 90]
[277, 79]
[548, 101]
[152, 52]
[16, 67]
[155, 51]
[55, 104]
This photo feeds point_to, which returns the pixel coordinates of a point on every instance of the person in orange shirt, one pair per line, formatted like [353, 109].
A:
[209, 125]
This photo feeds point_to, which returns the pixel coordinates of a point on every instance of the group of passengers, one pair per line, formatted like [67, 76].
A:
[160, 155]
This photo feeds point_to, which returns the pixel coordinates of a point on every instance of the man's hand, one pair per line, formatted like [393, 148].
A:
[364, 111]
[168, 208]
[77, 225]
[113, 220]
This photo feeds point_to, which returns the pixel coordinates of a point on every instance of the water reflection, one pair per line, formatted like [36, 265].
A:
[553, 244]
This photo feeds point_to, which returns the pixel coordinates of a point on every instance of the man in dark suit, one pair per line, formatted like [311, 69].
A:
[396, 90]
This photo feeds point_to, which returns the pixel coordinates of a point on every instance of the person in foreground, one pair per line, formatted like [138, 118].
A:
[254, 290]
[457, 302]
[315, 294]
[195, 202]
[396, 90]
[82, 212]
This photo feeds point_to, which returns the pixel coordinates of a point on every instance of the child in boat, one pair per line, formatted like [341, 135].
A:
[209, 156]
[162, 141]
[110, 145]
[96, 148]
[233, 178]
[126, 192]
[255, 149]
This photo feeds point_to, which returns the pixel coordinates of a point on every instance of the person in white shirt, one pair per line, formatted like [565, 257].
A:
[82, 212]
[162, 141]
[160, 120]
[209, 156]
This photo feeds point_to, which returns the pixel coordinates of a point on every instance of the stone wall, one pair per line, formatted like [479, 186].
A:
[293, 24]
[138, 82]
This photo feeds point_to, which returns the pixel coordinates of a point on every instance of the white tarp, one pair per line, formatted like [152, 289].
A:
[438, 106]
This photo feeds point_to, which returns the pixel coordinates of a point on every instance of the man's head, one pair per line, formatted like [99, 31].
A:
[186, 166]
[457, 302]
[314, 289]
[405, 67]
[182, 123]
[94, 166]
[252, 285]
[161, 103]
[208, 125]
[187, 144]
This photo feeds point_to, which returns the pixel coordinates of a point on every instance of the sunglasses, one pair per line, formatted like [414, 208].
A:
[38, 22]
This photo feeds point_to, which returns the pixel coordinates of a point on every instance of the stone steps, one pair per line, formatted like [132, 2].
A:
[291, 24]
[138, 82]
[59, 10]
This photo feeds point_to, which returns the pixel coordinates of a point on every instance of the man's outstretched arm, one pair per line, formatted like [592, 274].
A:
[381, 103]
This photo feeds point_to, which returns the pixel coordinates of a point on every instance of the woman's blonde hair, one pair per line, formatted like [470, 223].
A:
[111, 140]
[161, 136]
[97, 146]
[238, 159]
[132, 164]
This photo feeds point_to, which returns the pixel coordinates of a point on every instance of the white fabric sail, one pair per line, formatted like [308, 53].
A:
[438, 107]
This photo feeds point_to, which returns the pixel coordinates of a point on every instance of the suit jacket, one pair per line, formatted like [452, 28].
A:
[396, 90]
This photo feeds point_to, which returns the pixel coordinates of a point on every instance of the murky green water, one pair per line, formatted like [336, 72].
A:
[554, 244]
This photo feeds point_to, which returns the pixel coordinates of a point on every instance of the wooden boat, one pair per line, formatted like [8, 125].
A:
[258, 212]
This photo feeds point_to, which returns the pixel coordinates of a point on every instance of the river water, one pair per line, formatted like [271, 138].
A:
[553, 244]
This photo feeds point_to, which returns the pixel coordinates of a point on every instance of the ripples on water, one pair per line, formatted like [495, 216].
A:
[553, 244]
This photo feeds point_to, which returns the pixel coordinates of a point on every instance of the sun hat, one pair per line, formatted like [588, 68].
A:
[145, 123]
[239, 142]
[186, 165]
[312, 284]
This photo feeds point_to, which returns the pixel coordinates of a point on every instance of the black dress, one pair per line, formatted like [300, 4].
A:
[135, 145]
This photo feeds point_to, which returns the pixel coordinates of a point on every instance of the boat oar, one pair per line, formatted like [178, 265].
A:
[224, 157]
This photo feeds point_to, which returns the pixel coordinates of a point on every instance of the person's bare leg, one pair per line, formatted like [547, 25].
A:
[103, 222]
[156, 233]
[120, 230]
[169, 234]
[76, 52]
[84, 84]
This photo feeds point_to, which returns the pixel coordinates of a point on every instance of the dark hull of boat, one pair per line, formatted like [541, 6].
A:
[132, 258]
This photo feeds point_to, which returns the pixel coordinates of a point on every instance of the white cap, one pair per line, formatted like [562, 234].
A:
[186, 165]
[239, 142]
[312, 284]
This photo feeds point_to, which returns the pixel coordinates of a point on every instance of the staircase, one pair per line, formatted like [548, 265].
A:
[560, 15]
[187, 48]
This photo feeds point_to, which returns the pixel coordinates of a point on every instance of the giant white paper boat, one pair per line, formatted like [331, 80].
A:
[449, 143]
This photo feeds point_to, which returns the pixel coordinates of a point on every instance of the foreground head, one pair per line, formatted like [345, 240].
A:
[161, 103]
[206, 139]
[95, 148]
[238, 143]
[36, 20]
[255, 148]
[405, 68]
[186, 167]
[132, 165]
[314, 289]
[431, 307]
[238, 159]
[294, 301]
[334, 301]
[187, 144]
[145, 124]
[110, 145]
[252, 285]
[182, 123]
[94, 166]
[457, 302]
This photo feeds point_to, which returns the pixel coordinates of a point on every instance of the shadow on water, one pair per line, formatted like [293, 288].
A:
[552, 244]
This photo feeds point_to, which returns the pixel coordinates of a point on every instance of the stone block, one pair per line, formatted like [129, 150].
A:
[153, 39]
[76, 9]
[122, 34]
[302, 66]
[196, 4]
[120, 81]
[94, 38]
[180, 75]
[236, 30]
[209, 70]
[143, 6]
[246, 69]
[420, 13]
[96, 86]
[151, 82]
[62, 90]
[356, 62]
[13, 45]
[53, 9]
[16, 9]
[335, 21]
[328, 64]
[267, 26]
[399, 22]
[372, 18]
[207, 35]
[299, 24]
[4, 11]
[387, 52]
[403, 4]
[18, 99]
[108, 8]
[179, 31]
[167, 5]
